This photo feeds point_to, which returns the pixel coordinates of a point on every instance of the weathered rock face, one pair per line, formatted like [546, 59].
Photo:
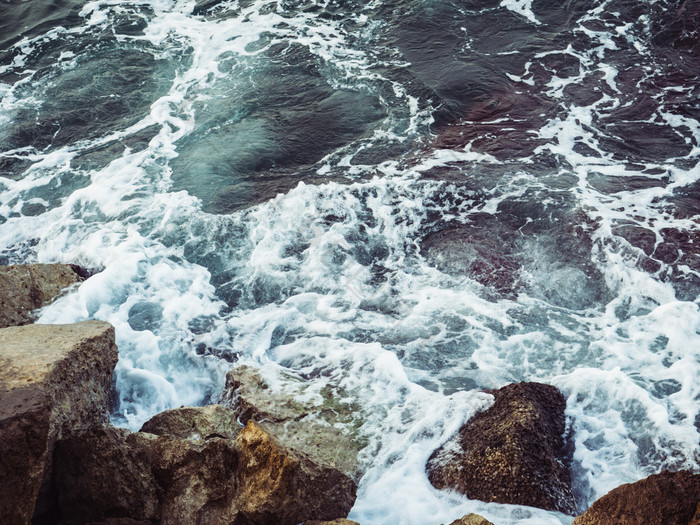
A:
[111, 474]
[54, 381]
[325, 429]
[24, 288]
[471, 519]
[281, 486]
[514, 452]
[194, 423]
[663, 499]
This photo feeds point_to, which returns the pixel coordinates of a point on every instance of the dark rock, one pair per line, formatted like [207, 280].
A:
[669, 498]
[279, 486]
[54, 382]
[24, 288]
[514, 452]
[106, 473]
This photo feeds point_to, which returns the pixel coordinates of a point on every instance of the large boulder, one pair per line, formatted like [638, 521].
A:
[54, 381]
[514, 452]
[191, 471]
[321, 425]
[279, 486]
[24, 288]
[669, 498]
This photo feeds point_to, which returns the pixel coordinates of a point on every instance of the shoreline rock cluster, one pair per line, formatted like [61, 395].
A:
[261, 457]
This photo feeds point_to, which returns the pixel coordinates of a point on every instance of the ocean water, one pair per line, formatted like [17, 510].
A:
[407, 202]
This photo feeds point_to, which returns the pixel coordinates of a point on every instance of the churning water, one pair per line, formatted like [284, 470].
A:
[408, 201]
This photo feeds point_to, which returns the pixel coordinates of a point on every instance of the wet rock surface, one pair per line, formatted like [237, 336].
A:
[668, 498]
[24, 288]
[514, 452]
[321, 426]
[54, 381]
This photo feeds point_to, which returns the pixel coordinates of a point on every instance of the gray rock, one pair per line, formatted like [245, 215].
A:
[194, 423]
[54, 381]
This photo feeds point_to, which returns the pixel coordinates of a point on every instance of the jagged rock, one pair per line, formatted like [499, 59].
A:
[24, 288]
[185, 477]
[514, 452]
[54, 381]
[322, 426]
[194, 423]
[471, 519]
[279, 486]
[669, 498]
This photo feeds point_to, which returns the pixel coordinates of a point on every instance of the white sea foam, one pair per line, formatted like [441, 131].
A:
[331, 281]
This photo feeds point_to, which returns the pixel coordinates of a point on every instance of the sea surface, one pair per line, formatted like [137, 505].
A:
[403, 201]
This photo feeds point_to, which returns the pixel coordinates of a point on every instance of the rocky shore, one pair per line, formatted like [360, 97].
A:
[255, 458]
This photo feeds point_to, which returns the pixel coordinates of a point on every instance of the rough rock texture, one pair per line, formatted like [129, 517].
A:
[514, 452]
[471, 519]
[663, 499]
[324, 427]
[284, 487]
[54, 381]
[111, 474]
[696, 517]
[194, 423]
[24, 288]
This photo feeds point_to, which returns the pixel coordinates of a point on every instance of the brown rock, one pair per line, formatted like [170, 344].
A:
[54, 381]
[279, 486]
[194, 423]
[514, 452]
[696, 516]
[663, 499]
[325, 429]
[24, 288]
[471, 519]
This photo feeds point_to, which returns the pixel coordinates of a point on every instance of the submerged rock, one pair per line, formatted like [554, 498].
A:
[669, 498]
[514, 452]
[24, 288]
[189, 474]
[54, 381]
[323, 426]
[471, 519]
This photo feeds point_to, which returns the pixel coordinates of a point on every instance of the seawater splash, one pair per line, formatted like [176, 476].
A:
[407, 202]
